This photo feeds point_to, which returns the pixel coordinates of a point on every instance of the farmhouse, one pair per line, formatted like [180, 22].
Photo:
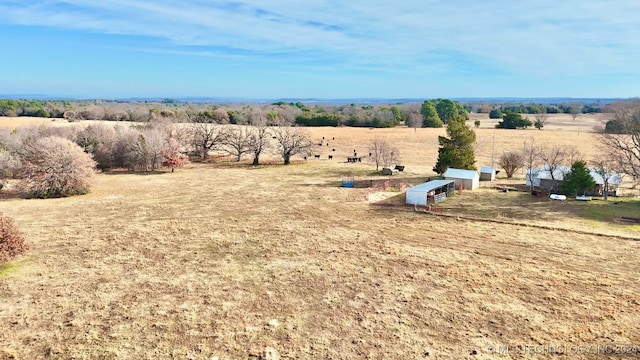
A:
[431, 192]
[487, 173]
[542, 179]
[465, 179]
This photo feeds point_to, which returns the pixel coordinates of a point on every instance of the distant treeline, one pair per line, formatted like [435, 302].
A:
[37, 108]
[567, 108]
[298, 113]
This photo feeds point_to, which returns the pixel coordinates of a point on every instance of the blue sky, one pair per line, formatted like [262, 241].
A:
[320, 48]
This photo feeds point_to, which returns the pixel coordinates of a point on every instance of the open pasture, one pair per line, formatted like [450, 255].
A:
[223, 260]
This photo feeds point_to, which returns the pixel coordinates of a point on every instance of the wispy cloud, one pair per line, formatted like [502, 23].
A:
[539, 36]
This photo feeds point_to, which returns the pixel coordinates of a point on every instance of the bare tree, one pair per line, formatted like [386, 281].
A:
[260, 136]
[238, 142]
[531, 153]
[149, 147]
[259, 142]
[53, 167]
[9, 165]
[11, 140]
[123, 151]
[541, 119]
[287, 114]
[220, 115]
[604, 166]
[557, 156]
[624, 146]
[572, 154]
[206, 136]
[575, 111]
[98, 139]
[382, 153]
[415, 120]
[511, 162]
[292, 141]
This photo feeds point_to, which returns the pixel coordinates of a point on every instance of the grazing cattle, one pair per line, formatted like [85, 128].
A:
[333, 138]
[330, 157]
[333, 149]
[316, 156]
[305, 158]
[327, 144]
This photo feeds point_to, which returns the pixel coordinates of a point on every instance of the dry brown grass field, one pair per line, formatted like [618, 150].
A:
[221, 260]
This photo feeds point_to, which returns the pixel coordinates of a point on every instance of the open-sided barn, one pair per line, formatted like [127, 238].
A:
[430, 192]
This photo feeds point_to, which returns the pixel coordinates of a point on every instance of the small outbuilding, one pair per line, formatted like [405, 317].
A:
[487, 173]
[431, 192]
[465, 179]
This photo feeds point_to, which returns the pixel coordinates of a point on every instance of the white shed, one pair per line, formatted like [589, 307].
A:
[430, 192]
[467, 179]
[487, 173]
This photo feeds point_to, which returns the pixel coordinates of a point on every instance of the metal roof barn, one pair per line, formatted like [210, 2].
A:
[430, 192]
[487, 173]
[467, 179]
[615, 179]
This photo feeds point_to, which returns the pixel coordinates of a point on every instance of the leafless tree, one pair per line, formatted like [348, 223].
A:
[572, 154]
[555, 157]
[604, 166]
[221, 116]
[206, 136]
[511, 162]
[531, 153]
[624, 146]
[415, 120]
[53, 167]
[149, 148]
[541, 119]
[98, 139]
[123, 151]
[238, 142]
[287, 114]
[260, 136]
[9, 165]
[292, 141]
[11, 140]
[259, 142]
[382, 153]
[575, 111]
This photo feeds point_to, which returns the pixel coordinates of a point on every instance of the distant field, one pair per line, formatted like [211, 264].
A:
[223, 259]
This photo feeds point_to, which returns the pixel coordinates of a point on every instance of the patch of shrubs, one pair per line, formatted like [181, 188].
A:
[11, 239]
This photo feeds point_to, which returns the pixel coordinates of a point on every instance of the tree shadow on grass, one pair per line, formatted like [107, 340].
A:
[335, 179]
[129, 172]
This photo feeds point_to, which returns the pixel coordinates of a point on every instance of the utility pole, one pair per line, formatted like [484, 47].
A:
[493, 146]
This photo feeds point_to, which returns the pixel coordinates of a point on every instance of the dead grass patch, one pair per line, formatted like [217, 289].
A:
[219, 260]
